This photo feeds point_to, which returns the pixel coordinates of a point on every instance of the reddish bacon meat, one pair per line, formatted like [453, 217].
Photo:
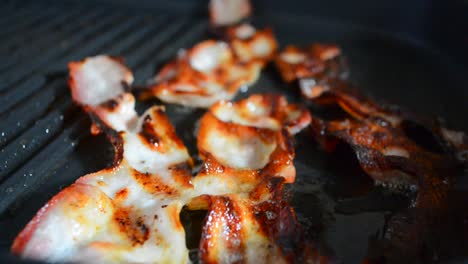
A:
[319, 61]
[389, 157]
[242, 143]
[251, 44]
[248, 154]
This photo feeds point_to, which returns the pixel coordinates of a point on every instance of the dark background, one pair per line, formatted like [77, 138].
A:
[438, 23]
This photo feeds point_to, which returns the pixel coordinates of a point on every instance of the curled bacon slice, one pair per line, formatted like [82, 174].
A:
[205, 74]
[247, 154]
[228, 12]
[251, 44]
[321, 61]
[126, 213]
[334, 91]
[242, 143]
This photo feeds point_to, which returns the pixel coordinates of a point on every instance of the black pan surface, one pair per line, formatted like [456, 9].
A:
[341, 209]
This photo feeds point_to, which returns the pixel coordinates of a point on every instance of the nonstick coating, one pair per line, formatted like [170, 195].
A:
[337, 203]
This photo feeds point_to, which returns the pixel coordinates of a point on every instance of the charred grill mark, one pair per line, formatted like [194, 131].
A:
[234, 225]
[137, 232]
[267, 186]
[168, 133]
[121, 195]
[181, 168]
[118, 144]
[151, 138]
[111, 105]
[142, 228]
[288, 142]
[152, 184]
[149, 135]
[211, 165]
[147, 119]
[181, 173]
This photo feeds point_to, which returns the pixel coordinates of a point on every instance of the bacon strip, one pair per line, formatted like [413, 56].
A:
[126, 213]
[212, 71]
[205, 74]
[389, 157]
[248, 154]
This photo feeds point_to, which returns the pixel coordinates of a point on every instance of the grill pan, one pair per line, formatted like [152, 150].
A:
[45, 142]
